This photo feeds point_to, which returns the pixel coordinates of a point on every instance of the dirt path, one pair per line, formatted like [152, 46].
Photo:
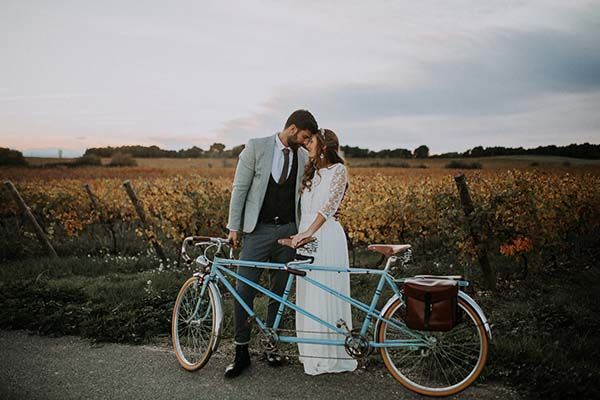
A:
[33, 367]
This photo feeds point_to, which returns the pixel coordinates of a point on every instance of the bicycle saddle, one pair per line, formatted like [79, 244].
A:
[389, 249]
[304, 242]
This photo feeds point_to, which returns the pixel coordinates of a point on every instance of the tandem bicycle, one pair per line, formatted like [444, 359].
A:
[428, 362]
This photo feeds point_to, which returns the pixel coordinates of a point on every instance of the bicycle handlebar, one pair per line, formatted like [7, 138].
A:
[300, 259]
[207, 239]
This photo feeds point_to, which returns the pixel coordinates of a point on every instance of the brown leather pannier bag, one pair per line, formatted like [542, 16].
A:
[431, 304]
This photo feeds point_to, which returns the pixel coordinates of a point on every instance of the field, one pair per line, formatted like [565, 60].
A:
[539, 218]
[543, 205]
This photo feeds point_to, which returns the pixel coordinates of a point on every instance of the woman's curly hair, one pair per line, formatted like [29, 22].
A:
[328, 139]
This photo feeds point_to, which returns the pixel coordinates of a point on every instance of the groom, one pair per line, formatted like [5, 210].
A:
[264, 206]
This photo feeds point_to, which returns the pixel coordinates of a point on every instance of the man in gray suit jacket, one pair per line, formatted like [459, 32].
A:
[265, 207]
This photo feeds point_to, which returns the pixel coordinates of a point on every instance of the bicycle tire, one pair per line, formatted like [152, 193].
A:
[443, 356]
[200, 337]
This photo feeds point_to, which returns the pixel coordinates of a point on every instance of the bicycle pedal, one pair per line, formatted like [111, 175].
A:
[342, 324]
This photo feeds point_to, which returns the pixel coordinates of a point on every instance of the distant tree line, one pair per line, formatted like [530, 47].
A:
[357, 152]
[585, 150]
[216, 150]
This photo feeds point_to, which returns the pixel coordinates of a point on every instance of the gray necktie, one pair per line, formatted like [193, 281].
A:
[286, 164]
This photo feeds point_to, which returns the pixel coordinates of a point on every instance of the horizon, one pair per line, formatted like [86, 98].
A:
[452, 76]
[54, 153]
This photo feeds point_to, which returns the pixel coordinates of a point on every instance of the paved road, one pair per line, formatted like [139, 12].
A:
[33, 367]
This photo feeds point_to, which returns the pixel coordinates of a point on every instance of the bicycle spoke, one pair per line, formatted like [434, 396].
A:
[455, 369]
[442, 369]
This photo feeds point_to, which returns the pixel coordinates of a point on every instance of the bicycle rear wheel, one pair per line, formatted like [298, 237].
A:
[451, 362]
[195, 334]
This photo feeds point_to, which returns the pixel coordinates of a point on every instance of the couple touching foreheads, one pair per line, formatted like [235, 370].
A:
[290, 185]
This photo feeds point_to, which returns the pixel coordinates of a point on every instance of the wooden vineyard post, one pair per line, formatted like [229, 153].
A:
[489, 272]
[103, 221]
[142, 215]
[38, 229]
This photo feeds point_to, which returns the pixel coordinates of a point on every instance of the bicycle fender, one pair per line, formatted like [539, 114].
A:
[468, 299]
[218, 313]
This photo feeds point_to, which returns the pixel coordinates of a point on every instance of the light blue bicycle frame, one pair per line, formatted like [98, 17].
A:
[221, 268]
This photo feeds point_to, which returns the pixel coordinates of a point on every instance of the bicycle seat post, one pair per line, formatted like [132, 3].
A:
[390, 261]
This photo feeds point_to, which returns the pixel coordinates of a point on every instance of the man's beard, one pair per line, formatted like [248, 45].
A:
[293, 142]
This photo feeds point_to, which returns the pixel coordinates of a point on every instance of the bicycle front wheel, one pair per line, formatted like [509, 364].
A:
[194, 325]
[449, 364]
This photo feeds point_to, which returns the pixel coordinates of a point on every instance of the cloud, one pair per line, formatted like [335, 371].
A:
[562, 61]
[507, 74]
[454, 74]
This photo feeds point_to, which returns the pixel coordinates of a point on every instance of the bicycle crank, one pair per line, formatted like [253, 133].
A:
[357, 345]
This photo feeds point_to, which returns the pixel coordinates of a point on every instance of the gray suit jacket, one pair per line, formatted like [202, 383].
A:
[250, 183]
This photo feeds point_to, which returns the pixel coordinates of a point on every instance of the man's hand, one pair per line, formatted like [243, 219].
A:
[234, 239]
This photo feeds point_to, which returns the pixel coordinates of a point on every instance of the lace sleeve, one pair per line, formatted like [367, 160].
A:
[336, 191]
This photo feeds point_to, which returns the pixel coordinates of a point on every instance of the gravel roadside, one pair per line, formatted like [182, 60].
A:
[34, 367]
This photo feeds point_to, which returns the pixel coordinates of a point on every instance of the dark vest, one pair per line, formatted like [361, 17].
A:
[278, 205]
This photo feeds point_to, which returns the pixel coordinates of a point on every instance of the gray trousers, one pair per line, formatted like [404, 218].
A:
[261, 245]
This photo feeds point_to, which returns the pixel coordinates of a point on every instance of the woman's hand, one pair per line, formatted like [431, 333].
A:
[300, 237]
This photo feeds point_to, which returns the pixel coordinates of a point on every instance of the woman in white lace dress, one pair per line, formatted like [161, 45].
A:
[323, 187]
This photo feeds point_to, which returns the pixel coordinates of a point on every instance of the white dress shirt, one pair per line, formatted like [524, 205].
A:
[278, 159]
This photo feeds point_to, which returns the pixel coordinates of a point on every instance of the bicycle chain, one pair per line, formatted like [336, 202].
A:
[293, 355]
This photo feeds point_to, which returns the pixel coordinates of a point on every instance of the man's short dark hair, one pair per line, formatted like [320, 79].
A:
[303, 120]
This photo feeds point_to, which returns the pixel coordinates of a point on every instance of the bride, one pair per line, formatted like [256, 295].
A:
[323, 186]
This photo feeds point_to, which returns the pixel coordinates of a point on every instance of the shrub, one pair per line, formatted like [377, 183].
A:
[122, 160]
[456, 164]
[88, 159]
[11, 157]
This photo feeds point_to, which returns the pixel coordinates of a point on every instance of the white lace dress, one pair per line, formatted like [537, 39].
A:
[325, 197]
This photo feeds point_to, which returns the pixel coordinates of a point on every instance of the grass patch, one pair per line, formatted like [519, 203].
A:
[110, 298]
[545, 339]
[48, 268]
[117, 289]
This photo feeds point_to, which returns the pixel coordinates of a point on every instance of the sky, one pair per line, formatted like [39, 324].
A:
[382, 74]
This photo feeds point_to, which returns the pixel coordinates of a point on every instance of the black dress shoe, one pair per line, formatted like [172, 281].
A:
[240, 363]
[273, 359]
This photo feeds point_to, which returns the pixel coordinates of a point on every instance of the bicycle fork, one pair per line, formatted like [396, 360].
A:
[204, 282]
